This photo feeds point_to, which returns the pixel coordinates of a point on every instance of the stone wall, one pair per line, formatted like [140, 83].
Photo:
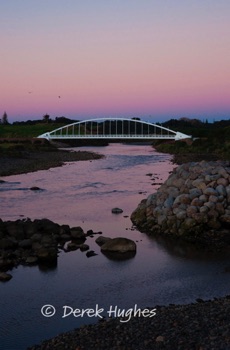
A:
[193, 202]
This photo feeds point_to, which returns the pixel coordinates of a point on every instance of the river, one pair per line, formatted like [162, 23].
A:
[83, 194]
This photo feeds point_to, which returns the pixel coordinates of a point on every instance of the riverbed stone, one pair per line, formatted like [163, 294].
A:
[15, 229]
[223, 181]
[83, 247]
[119, 244]
[213, 198]
[72, 246]
[35, 188]
[102, 240]
[169, 201]
[221, 190]
[77, 233]
[8, 243]
[36, 237]
[25, 243]
[47, 254]
[4, 277]
[117, 211]
[91, 253]
[31, 260]
[209, 191]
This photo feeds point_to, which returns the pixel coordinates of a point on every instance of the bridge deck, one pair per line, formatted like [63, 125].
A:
[119, 137]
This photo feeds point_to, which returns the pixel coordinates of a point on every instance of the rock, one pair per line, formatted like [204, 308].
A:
[46, 226]
[25, 243]
[77, 233]
[4, 277]
[90, 253]
[65, 237]
[36, 237]
[38, 241]
[183, 198]
[138, 216]
[102, 240]
[194, 192]
[117, 211]
[47, 240]
[8, 243]
[225, 219]
[47, 254]
[64, 230]
[181, 215]
[16, 230]
[168, 203]
[31, 260]
[72, 246]
[119, 244]
[35, 188]
[160, 339]
[221, 190]
[210, 191]
[83, 247]
[6, 264]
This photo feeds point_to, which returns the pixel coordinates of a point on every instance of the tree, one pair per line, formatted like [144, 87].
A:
[46, 118]
[5, 118]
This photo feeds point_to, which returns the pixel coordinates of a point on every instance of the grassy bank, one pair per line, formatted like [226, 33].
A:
[27, 130]
[213, 143]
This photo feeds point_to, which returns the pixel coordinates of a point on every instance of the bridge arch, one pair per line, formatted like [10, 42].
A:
[113, 128]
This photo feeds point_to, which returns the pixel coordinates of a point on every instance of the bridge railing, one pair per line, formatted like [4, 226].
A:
[117, 136]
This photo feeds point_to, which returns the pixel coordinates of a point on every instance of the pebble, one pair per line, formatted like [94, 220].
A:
[203, 325]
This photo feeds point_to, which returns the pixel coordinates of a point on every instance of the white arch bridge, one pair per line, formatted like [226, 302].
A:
[113, 128]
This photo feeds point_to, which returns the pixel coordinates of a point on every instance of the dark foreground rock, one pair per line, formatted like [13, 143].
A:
[118, 248]
[193, 203]
[35, 242]
[119, 244]
[197, 326]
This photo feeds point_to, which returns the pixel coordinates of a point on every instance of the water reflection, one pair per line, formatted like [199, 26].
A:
[177, 247]
[119, 256]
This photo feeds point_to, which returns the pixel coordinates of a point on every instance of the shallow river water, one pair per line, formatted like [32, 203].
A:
[83, 194]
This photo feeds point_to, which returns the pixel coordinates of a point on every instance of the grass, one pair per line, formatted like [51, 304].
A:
[26, 130]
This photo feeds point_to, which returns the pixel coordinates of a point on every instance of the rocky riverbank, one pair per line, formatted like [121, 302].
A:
[37, 242]
[197, 326]
[193, 204]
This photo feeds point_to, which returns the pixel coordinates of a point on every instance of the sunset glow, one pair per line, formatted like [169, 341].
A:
[102, 58]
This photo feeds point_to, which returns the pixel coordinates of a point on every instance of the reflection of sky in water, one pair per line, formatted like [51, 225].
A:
[84, 193]
[68, 192]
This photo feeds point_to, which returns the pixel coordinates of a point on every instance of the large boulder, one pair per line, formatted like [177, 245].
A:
[119, 244]
[192, 203]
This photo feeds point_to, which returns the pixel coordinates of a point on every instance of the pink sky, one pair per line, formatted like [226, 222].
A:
[151, 58]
